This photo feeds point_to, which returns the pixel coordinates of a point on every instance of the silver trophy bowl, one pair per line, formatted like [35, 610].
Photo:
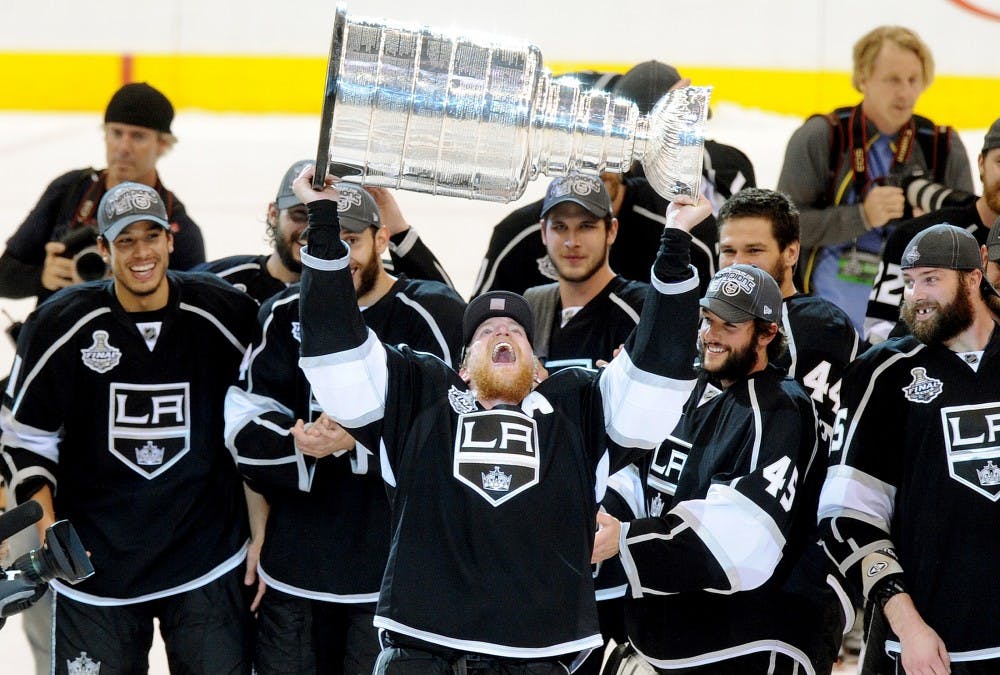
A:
[422, 110]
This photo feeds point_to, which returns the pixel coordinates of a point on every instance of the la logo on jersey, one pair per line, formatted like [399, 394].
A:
[496, 453]
[972, 440]
[148, 425]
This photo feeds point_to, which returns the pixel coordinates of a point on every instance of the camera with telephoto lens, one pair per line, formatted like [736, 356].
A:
[81, 248]
[923, 193]
[62, 556]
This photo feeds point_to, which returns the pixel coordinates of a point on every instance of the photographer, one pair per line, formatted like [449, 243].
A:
[974, 215]
[38, 259]
[836, 167]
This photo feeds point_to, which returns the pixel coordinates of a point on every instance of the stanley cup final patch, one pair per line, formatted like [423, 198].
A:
[923, 389]
[496, 454]
[972, 441]
[100, 356]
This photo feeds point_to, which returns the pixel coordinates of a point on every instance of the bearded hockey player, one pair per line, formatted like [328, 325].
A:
[494, 481]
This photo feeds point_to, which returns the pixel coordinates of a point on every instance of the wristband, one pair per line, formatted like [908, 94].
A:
[887, 587]
[877, 566]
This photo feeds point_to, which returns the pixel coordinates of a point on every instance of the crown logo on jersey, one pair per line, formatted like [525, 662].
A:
[656, 506]
[461, 401]
[149, 455]
[101, 356]
[923, 389]
[989, 474]
[496, 480]
[83, 665]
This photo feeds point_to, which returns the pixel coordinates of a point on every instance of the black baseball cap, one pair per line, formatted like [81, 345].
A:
[127, 203]
[948, 247]
[497, 303]
[742, 293]
[645, 83]
[587, 191]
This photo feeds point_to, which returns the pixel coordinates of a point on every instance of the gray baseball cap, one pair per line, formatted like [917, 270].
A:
[992, 139]
[993, 242]
[742, 293]
[286, 198]
[127, 203]
[948, 247]
[356, 208]
[587, 191]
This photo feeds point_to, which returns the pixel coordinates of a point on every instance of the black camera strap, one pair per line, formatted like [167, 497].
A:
[860, 143]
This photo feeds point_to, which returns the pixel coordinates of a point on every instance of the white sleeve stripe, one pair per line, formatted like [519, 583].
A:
[19, 435]
[537, 227]
[640, 408]
[31, 472]
[601, 477]
[323, 264]
[628, 562]
[241, 348]
[742, 537]
[432, 324]
[267, 462]
[351, 385]
[848, 489]
[868, 393]
[625, 307]
[404, 247]
[383, 459]
[677, 287]
[52, 350]
[243, 407]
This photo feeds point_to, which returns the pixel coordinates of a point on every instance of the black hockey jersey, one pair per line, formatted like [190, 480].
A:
[516, 258]
[247, 273]
[131, 439]
[492, 510]
[886, 296]
[917, 469]
[594, 332]
[327, 532]
[821, 341]
[728, 563]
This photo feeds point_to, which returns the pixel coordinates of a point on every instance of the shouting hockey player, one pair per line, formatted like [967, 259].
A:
[494, 481]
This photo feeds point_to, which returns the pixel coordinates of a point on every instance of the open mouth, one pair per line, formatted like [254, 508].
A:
[925, 311]
[503, 352]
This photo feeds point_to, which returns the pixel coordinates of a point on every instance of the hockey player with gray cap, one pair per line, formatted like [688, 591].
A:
[743, 465]
[912, 496]
[112, 420]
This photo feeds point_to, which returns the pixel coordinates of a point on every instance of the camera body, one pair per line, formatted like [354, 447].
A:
[81, 248]
[62, 556]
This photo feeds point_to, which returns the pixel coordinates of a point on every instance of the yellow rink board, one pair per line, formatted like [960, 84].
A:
[291, 84]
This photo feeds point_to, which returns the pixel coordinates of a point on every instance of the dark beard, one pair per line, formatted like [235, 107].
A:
[951, 319]
[368, 275]
[284, 250]
[737, 365]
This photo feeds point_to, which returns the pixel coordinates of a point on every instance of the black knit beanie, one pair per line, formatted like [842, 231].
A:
[140, 105]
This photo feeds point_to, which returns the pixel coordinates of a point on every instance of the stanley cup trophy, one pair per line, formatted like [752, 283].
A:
[420, 110]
